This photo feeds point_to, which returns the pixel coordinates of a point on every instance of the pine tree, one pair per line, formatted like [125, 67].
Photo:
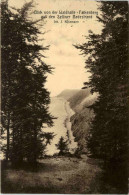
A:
[23, 84]
[108, 64]
[7, 78]
[62, 146]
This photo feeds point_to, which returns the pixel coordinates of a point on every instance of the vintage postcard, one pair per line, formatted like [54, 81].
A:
[64, 93]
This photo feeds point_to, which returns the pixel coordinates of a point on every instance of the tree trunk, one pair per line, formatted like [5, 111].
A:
[35, 146]
[8, 140]
[35, 134]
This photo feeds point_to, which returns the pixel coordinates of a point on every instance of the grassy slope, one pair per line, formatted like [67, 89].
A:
[54, 175]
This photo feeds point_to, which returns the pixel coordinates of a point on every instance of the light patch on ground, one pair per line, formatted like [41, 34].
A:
[54, 175]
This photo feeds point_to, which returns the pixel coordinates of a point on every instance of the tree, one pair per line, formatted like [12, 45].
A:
[25, 99]
[62, 146]
[7, 78]
[108, 64]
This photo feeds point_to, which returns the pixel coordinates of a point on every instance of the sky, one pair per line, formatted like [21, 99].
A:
[69, 71]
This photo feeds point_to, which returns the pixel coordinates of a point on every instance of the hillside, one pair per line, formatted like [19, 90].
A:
[59, 175]
[80, 127]
[82, 117]
[79, 100]
[68, 93]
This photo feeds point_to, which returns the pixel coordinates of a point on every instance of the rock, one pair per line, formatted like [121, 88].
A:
[60, 179]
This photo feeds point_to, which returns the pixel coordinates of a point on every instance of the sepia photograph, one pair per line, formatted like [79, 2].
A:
[64, 97]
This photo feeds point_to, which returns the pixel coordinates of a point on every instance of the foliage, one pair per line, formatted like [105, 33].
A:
[24, 97]
[62, 146]
[107, 62]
